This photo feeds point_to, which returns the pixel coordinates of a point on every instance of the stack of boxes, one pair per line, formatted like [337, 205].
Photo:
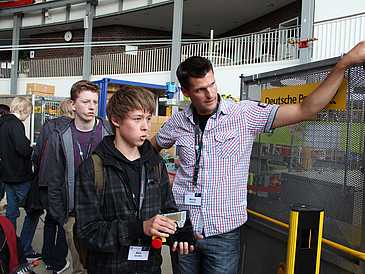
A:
[40, 89]
[156, 124]
[111, 89]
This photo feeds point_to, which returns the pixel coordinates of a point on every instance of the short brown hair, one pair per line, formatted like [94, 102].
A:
[65, 108]
[126, 99]
[83, 85]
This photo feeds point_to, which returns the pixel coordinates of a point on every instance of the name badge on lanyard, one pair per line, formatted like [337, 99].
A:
[192, 198]
[138, 253]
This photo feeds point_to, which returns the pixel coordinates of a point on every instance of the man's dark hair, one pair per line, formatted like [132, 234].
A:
[194, 66]
[4, 109]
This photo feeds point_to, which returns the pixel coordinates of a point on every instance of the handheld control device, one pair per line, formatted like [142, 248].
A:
[183, 233]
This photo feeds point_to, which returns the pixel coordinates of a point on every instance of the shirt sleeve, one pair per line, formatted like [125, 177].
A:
[260, 116]
[165, 136]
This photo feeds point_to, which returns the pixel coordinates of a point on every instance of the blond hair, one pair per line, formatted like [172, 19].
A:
[65, 108]
[19, 104]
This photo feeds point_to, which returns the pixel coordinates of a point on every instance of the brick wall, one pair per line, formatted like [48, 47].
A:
[271, 20]
[110, 33]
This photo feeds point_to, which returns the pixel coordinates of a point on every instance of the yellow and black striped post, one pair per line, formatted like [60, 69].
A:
[305, 240]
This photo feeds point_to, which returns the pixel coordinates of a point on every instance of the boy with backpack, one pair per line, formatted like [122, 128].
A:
[116, 224]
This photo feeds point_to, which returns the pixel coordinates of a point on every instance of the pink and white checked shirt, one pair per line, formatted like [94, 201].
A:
[224, 162]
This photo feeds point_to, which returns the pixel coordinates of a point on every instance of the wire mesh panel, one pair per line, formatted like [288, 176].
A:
[319, 162]
[45, 108]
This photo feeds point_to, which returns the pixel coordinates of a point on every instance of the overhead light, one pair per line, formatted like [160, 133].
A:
[270, 5]
[235, 22]
[197, 25]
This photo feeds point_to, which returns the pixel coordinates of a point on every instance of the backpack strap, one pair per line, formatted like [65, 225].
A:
[99, 172]
[98, 181]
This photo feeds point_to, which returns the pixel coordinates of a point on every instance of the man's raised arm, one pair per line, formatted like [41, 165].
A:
[321, 96]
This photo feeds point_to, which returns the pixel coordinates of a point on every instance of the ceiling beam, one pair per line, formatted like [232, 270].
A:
[43, 5]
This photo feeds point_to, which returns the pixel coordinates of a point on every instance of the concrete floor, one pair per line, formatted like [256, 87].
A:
[38, 242]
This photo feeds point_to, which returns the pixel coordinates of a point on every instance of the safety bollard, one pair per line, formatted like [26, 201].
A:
[305, 240]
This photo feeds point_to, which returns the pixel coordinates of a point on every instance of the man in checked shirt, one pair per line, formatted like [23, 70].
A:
[215, 138]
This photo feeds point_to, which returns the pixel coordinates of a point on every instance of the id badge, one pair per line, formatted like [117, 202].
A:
[138, 253]
[192, 198]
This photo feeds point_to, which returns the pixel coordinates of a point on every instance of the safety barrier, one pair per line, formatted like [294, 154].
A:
[319, 163]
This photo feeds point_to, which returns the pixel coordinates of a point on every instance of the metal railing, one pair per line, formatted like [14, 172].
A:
[142, 61]
[353, 252]
[255, 48]
[337, 36]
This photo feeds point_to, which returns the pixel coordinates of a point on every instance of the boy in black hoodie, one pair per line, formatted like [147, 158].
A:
[15, 154]
[126, 214]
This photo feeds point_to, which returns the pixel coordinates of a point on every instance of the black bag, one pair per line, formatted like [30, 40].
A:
[32, 202]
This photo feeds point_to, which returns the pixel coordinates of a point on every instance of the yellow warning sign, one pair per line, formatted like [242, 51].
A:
[296, 94]
[37, 109]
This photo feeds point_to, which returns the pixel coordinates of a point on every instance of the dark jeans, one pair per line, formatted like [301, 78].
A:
[15, 193]
[215, 254]
[54, 253]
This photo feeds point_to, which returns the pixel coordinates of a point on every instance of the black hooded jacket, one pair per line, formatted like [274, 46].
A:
[15, 151]
[108, 224]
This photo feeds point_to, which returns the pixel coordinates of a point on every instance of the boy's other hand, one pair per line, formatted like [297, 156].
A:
[159, 226]
[184, 247]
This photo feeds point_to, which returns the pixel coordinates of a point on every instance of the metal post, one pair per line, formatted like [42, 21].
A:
[17, 23]
[176, 45]
[305, 54]
[244, 89]
[88, 26]
[211, 45]
[305, 240]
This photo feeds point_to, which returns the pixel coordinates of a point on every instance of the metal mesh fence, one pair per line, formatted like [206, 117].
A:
[322, 166]
[45, 108]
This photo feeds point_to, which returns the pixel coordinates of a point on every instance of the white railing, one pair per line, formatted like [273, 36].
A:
[142, 61]
[337, 36]
[57, 67]
[270, 46]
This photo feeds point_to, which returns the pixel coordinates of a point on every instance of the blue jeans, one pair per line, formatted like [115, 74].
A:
[218, 254]
[14, 194]
[54, 254]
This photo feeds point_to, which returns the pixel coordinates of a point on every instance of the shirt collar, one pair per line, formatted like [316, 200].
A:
[222, 108]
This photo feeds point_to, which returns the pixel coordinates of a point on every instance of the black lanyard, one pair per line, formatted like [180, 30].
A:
[198, 147]
[141, 192]
[90, 142]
